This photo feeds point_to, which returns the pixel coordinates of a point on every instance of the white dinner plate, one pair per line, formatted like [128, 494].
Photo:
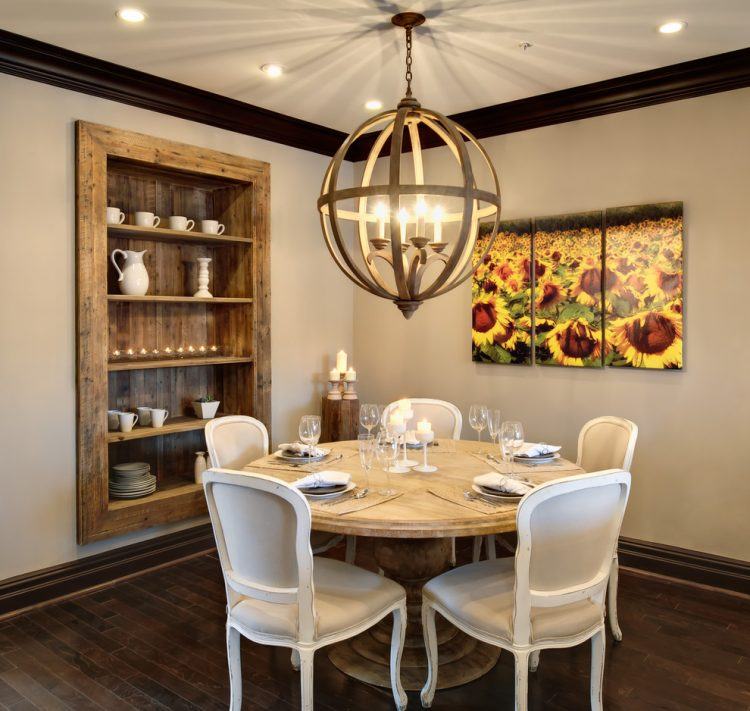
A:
[309, 493]
[129, 467]
[508, 498]
[537, 460]
[302, 459]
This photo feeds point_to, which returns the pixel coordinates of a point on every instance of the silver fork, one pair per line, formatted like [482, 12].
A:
[349, 497]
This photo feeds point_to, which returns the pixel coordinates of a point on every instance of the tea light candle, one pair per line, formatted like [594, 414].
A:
[143, 352]
[424, 426]
[333, 375]
[180, 351]
[168, 351]
[155, 352]
[202, 350]
[191, 350]
[351, 375]
[214, 349]
[116, 353]
[130, 353]
[341, 361]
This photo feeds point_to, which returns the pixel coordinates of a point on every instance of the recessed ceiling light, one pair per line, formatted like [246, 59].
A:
[131, 14]
[272, 70]
[669, 28]
[373, 105]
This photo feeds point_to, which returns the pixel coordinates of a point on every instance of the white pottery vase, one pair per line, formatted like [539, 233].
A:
[200, 466]
[133, 277]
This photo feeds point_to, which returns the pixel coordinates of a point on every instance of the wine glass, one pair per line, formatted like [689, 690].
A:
[368, 416]
[386, 451]
[494, 422]
[366, 445]
[478, 420]
[512, 438]
[309, 432]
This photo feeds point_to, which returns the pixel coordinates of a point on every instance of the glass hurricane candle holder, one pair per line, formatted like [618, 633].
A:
[424, 438]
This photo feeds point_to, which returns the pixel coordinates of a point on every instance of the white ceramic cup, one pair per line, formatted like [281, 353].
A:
[127, 421]
[212, 227]
[113, 420]
[115, 216]
[177, 222]
[158, 417]
[147, 219]
[144, 416]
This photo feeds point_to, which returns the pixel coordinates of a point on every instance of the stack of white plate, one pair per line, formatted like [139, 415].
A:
[131, 480]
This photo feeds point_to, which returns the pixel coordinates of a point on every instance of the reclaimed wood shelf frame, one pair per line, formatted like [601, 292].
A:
[137, 172]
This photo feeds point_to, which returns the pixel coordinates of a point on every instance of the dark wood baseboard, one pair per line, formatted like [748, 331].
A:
[32, 589]
[686, 565]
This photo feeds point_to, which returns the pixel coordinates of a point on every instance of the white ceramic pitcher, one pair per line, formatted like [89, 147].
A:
[133, 277]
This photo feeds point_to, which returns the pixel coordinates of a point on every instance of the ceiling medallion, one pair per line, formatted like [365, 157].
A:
[394, 234]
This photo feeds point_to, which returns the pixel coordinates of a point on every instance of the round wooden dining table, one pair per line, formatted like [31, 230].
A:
[412, 542]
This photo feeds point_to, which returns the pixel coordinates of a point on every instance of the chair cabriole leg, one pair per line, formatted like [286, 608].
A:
[351, 549]
[306, 679]
[476, 552]
[295, 660]
[430, 643]
[614, 623]
[235, 669]
[522, 680]
[534, 661]
[598, 642]
[397, 648]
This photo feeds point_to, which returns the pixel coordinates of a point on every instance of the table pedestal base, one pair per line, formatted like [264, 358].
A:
[412, 562]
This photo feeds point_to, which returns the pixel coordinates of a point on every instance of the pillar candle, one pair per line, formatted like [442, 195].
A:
[424, 426]
[351, 375]
[341, 362]
[334, 374]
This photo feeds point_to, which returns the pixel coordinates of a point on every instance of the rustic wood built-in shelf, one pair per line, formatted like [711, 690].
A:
[177, 362]
[163, 234]
[148, 298]
[171, 426]
[135, 173]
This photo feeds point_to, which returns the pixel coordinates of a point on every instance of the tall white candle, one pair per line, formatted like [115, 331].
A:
[341, 362]
[437, 218]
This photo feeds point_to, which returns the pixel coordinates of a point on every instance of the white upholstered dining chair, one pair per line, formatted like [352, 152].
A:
[446, 421]
[236, 440]
[551, 595]
[608, 443]
[277, 594]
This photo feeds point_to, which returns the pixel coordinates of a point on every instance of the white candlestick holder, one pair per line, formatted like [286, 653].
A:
[203, 292]
[425, 438]
[350, 389]
[334, 390]
[405, 461]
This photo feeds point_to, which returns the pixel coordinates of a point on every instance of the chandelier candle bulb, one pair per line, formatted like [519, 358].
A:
[421, 212]
[381, 213]
[341, 360]
[437, 217]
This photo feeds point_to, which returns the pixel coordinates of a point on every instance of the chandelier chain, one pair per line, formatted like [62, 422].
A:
[408, 61]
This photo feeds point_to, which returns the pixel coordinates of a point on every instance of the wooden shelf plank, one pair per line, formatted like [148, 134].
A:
[177, 362]
[169, 491]
[171, 426]
[181, 299]
[163, 234]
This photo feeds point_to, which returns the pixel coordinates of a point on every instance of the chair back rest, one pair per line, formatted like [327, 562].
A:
[567, 535]
[235, 441]
[444, 416]
[262, 531]
[607, 443]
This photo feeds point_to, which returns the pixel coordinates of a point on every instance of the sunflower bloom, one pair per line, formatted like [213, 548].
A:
[574, 342]
[649, 340]
[551, 293]
[489, 318]
[663, 284]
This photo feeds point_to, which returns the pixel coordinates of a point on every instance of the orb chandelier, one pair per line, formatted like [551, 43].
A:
[393, 234]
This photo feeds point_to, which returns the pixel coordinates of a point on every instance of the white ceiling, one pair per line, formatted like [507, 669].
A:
[339, 53]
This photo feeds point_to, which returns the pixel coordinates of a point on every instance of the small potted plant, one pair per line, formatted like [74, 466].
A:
[205, 407]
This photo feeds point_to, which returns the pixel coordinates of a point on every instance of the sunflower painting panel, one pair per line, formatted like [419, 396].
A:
[644, 295]
[568, 313]
[501, 295]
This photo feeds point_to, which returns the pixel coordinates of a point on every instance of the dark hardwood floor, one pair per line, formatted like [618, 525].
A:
[157, 641]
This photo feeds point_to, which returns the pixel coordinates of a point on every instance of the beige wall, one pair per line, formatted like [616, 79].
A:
[311, 306]
[691, 483]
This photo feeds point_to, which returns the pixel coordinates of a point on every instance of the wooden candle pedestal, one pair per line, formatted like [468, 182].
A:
[340, 420]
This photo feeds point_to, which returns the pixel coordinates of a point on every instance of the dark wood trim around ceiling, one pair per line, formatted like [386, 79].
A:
[691, 566]
[39, 61]
[33, 589]
[698, 77]
[69, 579]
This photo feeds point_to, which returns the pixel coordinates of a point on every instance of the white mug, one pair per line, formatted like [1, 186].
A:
[144, 415]
[113, 420]
[147, 219]
[115, 216]
[212, 227]
[127, 421]
[158, 417]
[176, 222]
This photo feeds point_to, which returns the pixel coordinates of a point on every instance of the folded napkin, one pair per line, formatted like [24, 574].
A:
[300, 449]
[501, 483]
[536, 450]
[322, 479]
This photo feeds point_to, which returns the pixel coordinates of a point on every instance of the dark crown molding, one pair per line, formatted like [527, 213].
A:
[39, 61]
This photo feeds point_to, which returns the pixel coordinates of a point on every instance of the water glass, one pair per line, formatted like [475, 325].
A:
[309, 432]
[366, 445]
[478, 419]
[512, 437]
[386, 451]
[494, 423]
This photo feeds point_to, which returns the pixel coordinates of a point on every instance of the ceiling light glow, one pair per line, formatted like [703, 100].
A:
[131, 14]
[272, 70]
[669, 28]
[374, 105]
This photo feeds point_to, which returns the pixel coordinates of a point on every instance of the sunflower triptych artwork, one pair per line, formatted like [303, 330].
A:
[582, 290]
